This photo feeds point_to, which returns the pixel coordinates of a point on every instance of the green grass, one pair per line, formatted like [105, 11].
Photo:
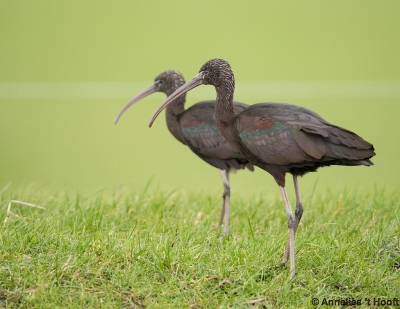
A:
[163, 250]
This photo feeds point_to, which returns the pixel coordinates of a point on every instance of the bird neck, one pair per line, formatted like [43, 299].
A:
[172, 113]
[224, 111]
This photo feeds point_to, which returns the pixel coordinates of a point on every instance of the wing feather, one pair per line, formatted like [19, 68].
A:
[286, 134]
[201, 134]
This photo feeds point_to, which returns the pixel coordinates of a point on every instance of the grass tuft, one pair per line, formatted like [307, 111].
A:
[163, 249]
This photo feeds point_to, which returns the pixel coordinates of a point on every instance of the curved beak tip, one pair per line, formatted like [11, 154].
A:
[141, 95]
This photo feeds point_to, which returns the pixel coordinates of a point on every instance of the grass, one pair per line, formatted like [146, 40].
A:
[163, 250]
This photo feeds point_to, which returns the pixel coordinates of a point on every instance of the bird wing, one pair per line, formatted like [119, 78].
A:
[285, 134]
[270, 132]
[201, 134]
[339, 142]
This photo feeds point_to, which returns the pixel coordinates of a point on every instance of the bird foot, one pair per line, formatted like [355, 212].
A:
[227, 237]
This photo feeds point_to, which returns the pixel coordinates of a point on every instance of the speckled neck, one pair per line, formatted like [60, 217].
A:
[173, 111]
[224, 111]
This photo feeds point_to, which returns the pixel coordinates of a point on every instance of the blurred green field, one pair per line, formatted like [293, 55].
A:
[66, 68]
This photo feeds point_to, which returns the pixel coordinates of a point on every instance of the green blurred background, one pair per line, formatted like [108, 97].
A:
[67, 67]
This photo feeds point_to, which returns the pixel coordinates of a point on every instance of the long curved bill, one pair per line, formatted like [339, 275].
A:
[193, 83]
[144, 93]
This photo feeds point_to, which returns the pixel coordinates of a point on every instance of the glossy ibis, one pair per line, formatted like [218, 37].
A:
[196, 128]
[279, 138]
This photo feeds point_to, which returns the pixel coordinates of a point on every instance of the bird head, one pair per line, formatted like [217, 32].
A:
[216, 72]
[167, 82]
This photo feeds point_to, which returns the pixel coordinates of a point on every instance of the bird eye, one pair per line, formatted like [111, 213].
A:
[159, 82]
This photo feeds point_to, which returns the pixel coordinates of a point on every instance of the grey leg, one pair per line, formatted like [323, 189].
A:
[298, 215]
[226, 200]
[291, 224]
[221, 217]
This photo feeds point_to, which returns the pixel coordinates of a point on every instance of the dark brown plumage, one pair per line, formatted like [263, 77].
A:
[279, 138]
[196, 128]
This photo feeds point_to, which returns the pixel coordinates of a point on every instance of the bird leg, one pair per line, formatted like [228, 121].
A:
[226, 200]
[291, 225]
[298, 215]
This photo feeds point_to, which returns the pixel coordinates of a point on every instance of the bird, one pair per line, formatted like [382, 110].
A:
[196, 128]
[279, 138]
